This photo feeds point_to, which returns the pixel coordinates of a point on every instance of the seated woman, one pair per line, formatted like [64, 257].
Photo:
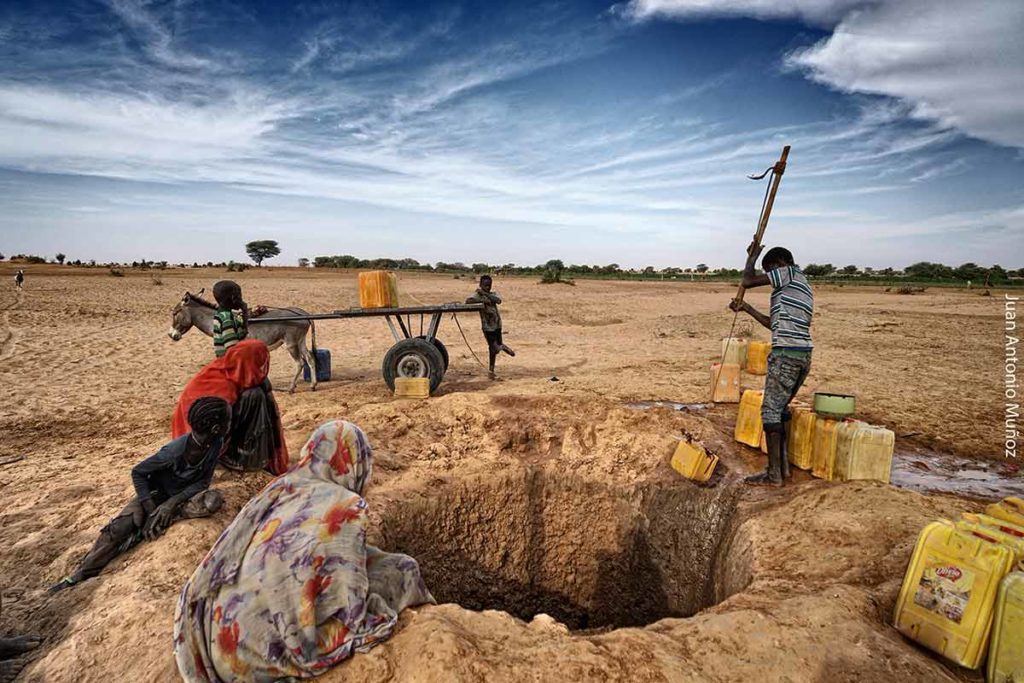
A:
[239, 377]
[172, 483]
[290, 588]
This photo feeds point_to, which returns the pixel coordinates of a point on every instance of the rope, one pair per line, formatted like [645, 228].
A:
[728, 340]
[456, 319]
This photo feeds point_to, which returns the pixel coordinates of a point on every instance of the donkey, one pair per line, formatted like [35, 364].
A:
[194, 311]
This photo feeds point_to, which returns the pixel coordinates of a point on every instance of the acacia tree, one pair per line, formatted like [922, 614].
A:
[303, 262]
[259, 250]
[60, 258]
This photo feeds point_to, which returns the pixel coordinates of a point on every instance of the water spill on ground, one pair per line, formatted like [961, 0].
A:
[644, 405]
[931, 472]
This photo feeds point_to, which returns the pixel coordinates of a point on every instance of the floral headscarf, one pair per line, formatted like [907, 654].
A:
[286, 589]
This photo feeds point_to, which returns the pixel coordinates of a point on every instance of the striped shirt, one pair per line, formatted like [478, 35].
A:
[792, 307]
[228, 330]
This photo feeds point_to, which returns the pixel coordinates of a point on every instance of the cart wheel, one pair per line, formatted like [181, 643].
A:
[440, 347]
[413, 358]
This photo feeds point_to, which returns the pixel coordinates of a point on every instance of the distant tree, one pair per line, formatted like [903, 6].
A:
[480, 268]
[553, 270]
[886, 271]
[815, 270]
[924, 270]
[32, 258]
[649, 270]
[303, 262]
[60, 258]
[997, 273]
[968, 271]
[702, 268]
[850, 269]
[260, 250]
[1, 257]
[92, 263]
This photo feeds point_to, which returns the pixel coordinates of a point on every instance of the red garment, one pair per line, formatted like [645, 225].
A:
[244, 366]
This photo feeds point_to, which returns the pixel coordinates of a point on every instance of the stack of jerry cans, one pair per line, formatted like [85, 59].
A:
[948, 595]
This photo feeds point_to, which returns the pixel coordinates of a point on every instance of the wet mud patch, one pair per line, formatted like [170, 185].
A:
[588, 554]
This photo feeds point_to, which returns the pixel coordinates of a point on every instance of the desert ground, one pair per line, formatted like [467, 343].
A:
[558, 541]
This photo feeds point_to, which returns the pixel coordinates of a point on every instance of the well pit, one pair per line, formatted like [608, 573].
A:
[587, 554]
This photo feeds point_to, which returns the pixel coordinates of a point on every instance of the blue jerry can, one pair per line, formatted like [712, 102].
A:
[323, 366]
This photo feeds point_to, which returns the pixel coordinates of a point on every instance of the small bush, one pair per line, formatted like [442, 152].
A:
[155, 280]
[236, 267]
[116, 272]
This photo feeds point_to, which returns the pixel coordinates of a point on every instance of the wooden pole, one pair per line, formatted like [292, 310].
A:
[779, 169]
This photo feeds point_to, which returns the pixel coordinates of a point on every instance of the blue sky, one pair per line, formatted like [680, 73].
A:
[513, 132]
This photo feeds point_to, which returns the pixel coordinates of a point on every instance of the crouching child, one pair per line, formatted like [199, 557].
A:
[169, 485]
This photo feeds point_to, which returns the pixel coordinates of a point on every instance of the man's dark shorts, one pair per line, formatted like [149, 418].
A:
[494, 339]
[786, 374]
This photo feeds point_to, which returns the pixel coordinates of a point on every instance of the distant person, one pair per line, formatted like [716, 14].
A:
[174, 483]
[19, 280]
[256, 440]
[490, 320]
[291, 588]
[792, 308]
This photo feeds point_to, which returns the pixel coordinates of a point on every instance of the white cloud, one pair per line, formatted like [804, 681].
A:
[814, 11]
[959, 64]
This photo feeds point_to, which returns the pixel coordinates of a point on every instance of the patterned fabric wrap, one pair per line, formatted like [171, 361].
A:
[291, 588]
[786, 374]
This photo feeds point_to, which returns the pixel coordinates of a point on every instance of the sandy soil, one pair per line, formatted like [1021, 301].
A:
[91, 379]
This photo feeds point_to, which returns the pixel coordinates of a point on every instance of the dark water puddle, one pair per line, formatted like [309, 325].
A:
[931, 472]
[644, 405]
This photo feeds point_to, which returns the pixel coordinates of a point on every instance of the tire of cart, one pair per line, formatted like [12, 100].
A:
[413, 358]
[440, 347]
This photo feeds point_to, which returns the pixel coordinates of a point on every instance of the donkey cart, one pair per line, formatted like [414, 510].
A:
[412, 355]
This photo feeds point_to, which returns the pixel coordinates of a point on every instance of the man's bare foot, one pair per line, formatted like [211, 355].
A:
[9, 669]
[491, 375]
[12, 647]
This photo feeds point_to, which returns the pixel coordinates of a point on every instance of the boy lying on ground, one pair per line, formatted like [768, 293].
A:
[174, 483]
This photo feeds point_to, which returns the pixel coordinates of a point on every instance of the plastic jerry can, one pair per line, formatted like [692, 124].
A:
[693, 462]
[748, 419]
[378, 289]
[949, 591]
[725, 383]
[826, 434]
[863, 451]
[994, 535]
[1006, 653]
[323, 366]
[412, 387]
[995, 523]
[801, 437]
[757, 357]
[1011, 509]
[734, 350]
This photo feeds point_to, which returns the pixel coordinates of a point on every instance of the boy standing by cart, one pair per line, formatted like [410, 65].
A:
[490, 320]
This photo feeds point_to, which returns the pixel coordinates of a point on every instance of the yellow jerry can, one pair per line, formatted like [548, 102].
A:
[725, 383]
[378, 289]
[801, 437]
[1011, 509]
[949, 591]
[994, 535]
[995, 522]
[863, 451]
[693, 462]
[757, 357]
[412, 387]
[734, 350]
[1006, 653]
[748, 419]
[826, 432]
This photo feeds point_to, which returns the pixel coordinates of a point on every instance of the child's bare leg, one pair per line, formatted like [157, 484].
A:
[492, 351]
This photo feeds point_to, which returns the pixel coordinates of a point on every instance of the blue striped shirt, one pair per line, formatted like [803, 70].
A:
[792, 307]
